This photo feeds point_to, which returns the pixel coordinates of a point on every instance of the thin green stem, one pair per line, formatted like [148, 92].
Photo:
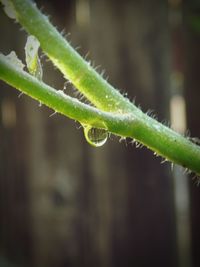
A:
[56, 99]
[148, 131]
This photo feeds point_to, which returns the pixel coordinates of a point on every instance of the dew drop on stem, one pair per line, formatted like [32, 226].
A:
[95, 136]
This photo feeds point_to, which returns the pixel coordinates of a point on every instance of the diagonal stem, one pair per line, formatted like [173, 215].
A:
[154, 135]
[70, 63]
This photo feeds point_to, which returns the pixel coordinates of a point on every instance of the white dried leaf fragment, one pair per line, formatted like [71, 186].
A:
[32, 59]
[9, 9]
[14, 60]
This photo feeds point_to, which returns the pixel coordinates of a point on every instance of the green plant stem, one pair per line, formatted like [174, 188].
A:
[56, 99]
[70, 63]
[154, 135]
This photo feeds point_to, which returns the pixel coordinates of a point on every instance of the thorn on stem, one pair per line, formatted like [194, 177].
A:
[87, 55]
[20, 94]
[54, 113]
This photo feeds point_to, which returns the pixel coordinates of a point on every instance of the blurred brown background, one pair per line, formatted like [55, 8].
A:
[64, 203]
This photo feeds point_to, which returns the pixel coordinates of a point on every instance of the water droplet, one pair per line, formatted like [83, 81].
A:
[95, 136]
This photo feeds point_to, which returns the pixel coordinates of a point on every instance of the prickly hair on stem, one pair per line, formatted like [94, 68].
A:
[119, 115]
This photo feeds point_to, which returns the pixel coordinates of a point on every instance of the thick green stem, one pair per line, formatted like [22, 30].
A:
[71, 64]
[146, 130]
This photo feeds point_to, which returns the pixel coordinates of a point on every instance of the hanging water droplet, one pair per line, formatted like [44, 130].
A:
[95, 136]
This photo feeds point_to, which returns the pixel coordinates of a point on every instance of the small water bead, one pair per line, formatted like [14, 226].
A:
[95, 136]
